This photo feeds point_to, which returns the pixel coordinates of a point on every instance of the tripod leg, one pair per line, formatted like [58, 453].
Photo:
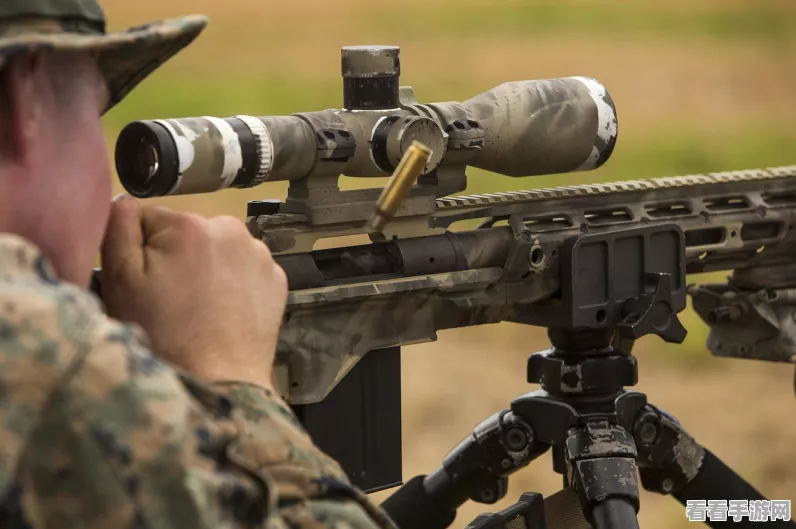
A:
[672, 462]
[716, 480]
[602, 469]
[614, 513]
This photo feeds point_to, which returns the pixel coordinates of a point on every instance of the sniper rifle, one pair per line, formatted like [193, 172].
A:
[598, 265]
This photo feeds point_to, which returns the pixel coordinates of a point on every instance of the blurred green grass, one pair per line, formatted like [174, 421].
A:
[753, 20]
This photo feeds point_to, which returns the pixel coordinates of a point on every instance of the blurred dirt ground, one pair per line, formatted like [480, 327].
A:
[699, 86]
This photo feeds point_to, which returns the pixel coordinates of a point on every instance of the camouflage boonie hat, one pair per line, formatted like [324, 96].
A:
[124, 58]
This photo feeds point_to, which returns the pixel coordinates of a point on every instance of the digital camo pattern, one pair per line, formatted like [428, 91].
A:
[124, 58]
[96, 432]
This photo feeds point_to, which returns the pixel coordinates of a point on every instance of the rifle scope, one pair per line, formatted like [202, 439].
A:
[521, 128]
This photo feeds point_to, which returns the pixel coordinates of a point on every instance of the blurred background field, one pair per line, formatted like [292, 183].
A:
[699, 86]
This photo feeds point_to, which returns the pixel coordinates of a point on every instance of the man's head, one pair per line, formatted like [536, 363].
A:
[54, 168]
[59, 72]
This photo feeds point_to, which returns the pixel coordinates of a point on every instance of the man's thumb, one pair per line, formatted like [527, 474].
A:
[123, 247]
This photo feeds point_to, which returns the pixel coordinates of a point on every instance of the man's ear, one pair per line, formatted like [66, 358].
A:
[25, 104]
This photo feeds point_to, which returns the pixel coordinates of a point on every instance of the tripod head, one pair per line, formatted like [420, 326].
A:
[616, 287]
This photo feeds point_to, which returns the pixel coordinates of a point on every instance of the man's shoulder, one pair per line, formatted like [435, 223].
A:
[45, 325]
[47, 328]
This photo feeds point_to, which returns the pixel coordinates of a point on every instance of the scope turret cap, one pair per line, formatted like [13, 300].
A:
[124, 58]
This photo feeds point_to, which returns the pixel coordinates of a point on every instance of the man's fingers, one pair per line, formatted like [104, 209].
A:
[123, 247]
[165, 229]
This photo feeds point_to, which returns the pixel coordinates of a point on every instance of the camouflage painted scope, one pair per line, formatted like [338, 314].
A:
[522, 128]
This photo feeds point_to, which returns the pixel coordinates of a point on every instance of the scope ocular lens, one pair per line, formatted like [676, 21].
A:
[146, 159]
[192, 155]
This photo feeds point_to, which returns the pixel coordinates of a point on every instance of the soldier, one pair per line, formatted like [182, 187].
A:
[95, 430]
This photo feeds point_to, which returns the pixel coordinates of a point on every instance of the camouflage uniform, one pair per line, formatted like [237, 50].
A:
[96, 432]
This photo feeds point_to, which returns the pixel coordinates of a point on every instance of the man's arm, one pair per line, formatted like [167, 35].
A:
[211, 300]
[121, 439]
[276, 442]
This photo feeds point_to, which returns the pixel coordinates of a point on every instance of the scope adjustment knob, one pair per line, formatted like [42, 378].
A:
[393, 135]
[370, 77]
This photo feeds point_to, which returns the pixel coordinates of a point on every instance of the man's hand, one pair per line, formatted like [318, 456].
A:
[209, 295]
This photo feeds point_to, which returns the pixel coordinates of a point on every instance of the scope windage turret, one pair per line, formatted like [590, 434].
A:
[522, 128]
